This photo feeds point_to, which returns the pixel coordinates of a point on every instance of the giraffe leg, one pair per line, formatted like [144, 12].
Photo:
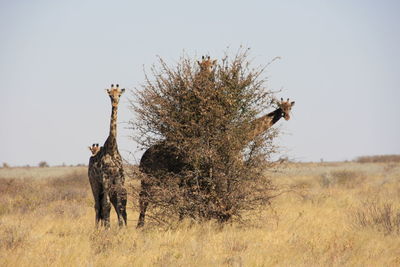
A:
[97, 195]
[105, 203]
[114, 201]
[143, 203]
[97, 208]
[122, 207]
[122, 198]
[118, 199]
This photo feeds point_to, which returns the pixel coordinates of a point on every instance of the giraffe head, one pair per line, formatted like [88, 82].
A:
[115, 93]
[286, 107]
[206, 64]
[94, 149]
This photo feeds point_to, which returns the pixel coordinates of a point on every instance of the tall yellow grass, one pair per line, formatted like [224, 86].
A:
[50, 222]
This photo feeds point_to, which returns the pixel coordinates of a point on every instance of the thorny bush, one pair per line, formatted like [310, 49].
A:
[204, 118]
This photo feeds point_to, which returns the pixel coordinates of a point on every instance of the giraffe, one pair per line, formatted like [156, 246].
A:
[262, 124]
[162, 157]
[205, 74]
[94, 149]
[106, 173]
[206, 64]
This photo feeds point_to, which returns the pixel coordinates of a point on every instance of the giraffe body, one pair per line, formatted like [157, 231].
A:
[156, 161]
[106, 173]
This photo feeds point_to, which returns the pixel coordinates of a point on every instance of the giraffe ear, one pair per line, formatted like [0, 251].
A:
[198, 62]
[292, 103]
[122, 90]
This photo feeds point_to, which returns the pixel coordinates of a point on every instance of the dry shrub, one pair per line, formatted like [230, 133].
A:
[43, 164]
[343, 178]
[18, 195]
[105, 241]
[12, 236]
[28, 194]
[5, 165]
[69, 209]
[75, 179]
[234, 261]
[381, 216]
[11, 186]
[69, 187]
[204, 121]
[379, 158]
[101, 241]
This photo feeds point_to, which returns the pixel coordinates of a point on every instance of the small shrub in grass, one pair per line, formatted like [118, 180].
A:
[12, 236]
[68, 209]
[326, 180]
[102, 242]
[69, 187]
[43, 164]
[344, 178]
[349, 179]
[75, 179]
[382, 216]
[378, 158]
[28, 194]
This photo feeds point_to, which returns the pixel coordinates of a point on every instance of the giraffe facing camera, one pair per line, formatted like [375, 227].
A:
[206, 64]
[286, 107]
[94, 149]
[115, 93]
[106, 172]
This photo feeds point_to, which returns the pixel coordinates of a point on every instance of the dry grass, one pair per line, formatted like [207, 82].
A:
[378, 158]
[48, 219]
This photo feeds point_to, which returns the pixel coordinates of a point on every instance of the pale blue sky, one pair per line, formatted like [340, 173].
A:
[340, 63]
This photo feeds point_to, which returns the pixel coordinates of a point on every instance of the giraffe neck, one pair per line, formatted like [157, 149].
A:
[111, 143]
[263, 123]
[203, 74]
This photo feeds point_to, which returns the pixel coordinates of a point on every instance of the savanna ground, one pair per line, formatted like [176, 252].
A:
[332, 214]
